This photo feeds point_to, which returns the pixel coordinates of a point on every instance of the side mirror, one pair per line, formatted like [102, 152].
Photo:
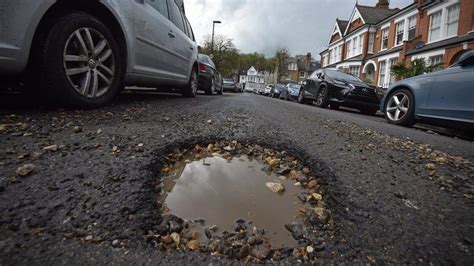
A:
[466, 59]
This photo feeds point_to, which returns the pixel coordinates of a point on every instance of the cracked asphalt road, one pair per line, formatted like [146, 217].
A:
[393, 199]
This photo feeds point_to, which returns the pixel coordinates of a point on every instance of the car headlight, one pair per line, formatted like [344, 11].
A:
[291, 91]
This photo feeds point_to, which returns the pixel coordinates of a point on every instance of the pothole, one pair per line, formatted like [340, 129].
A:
[241, 201]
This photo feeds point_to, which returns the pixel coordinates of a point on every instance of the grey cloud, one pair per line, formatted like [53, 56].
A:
[262, 25]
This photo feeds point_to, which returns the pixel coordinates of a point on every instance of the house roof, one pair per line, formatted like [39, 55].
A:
[342, 24]
[373, 15]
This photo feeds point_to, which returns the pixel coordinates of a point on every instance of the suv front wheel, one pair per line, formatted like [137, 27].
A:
[80, 63]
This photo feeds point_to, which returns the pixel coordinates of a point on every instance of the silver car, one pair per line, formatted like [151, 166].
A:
[83, 52]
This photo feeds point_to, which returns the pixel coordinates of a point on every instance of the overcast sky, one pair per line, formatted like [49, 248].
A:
[262, 25]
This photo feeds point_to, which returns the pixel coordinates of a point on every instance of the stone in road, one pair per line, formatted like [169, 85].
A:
[98, 187]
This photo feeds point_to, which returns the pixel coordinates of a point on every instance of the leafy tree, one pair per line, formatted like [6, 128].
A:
[280, 59]
[417, 67]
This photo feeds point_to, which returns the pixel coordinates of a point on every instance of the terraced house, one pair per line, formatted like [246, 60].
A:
[375, 38]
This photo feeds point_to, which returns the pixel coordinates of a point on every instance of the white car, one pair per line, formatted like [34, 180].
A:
[268, 89]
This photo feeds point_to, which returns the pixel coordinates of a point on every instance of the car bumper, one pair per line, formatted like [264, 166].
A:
[230, 88]
[356, 101]
[204, 81]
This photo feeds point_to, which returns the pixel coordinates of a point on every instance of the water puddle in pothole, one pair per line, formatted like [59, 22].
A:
[240, 200]
[221, 191]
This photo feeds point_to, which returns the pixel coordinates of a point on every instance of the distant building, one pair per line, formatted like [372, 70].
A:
[253, 79]
[376, 38]
[299, 68]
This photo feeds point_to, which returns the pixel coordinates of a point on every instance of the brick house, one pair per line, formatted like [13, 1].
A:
[375, 38]
[300, 67]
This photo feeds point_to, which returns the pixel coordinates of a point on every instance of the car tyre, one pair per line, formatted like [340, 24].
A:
[322, 100]
[334, 106]
[190, 90]
[301, 98]
[80, 63]
[221, 90]
[404, 107]
[211, 89]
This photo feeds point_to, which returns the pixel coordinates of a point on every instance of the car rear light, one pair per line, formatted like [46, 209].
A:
[202, 68]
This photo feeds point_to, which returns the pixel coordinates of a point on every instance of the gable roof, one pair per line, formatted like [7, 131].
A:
[373, 15]
[370, 15]
[342, 24]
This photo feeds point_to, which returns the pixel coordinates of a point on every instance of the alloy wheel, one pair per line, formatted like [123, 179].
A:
[194, 83]
[320, 99]
[398, 106]
[89, 62]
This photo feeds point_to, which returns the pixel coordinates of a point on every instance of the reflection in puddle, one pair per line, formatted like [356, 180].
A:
[221, 191]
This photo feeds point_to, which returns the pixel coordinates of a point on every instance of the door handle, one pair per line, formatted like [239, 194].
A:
[192, 48]
[171, 34]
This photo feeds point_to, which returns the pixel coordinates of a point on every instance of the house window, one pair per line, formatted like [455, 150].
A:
[354, 70]
[436, 60]
[391, 78]
[339, 53]
[302, 74]
[349, 49]
[354, 46]
[400, 31]
[292, 66]
[371, 42]
[435, 26]
[384, 38]
[452, 21]
[411, 27]
[382, 69]
[360, 44]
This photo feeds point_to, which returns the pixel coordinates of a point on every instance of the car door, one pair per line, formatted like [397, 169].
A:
[311, 84]
[452, 94]
[185, 48]
[154, 45]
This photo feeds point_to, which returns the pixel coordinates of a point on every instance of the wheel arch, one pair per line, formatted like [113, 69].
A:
[396, 88]
[92, 7]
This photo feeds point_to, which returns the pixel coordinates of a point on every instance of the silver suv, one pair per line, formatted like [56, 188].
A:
[83, 52]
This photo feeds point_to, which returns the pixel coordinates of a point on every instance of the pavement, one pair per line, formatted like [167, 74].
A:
[396, 195]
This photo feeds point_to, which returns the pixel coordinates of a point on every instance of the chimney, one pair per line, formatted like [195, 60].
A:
[308, 60]
[383, 4]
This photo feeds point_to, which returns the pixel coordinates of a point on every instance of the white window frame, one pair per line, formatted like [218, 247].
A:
[382, 72]
[382, 39]
[410, 19]
[390, 76]
[443, 10]
[302, 76]
[354, 70]
[399, 29]
[456, 21]
[371, 42]
[437, 28]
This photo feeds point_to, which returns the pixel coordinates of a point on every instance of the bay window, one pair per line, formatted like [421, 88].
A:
[382, 70]
[371, 42]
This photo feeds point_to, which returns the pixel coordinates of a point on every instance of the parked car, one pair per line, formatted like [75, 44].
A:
[231, 85]
[443, 96]
[83, 52]
[334, 88]
[290, 92]
[209, 80]
[268, 89]
[275, 92]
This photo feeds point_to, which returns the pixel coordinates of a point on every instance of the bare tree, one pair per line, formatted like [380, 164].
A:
[281, 62]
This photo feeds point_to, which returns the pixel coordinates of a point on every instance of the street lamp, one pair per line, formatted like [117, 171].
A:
[212, 40]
